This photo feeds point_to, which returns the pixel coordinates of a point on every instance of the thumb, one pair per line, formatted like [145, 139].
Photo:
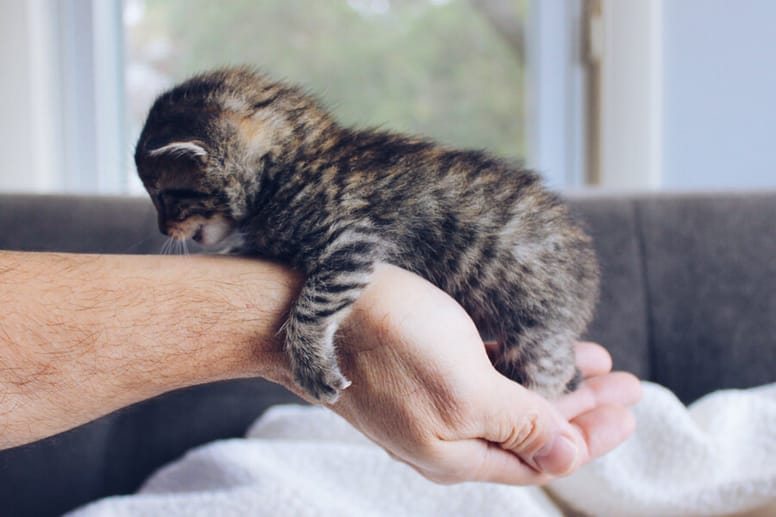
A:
[523, 423]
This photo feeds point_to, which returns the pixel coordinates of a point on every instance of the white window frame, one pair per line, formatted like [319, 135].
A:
[29, 138]
[73, 77]
[556, 92]
[630, 99]
[91, 61]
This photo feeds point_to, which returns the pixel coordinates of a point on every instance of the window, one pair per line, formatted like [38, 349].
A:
[494, 74]
[440, 68]
[630, 95]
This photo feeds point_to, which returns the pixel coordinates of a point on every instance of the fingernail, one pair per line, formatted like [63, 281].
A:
[558, 457]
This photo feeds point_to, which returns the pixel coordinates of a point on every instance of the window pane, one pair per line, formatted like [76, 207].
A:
[433, 67]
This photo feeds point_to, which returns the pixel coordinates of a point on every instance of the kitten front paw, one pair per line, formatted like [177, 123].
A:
[319, 382]
[310, 346]
[573, 384]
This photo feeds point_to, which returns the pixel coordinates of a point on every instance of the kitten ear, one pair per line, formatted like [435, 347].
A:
[191, 150]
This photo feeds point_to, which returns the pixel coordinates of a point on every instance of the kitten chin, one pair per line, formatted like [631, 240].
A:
[213, 232]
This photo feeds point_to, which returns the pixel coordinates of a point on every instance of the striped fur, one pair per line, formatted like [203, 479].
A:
[295, 186]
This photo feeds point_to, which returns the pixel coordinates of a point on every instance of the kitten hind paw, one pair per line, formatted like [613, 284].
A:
[550, 387]
[575, 381]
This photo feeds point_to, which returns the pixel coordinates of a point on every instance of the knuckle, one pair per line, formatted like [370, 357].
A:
[528, 434]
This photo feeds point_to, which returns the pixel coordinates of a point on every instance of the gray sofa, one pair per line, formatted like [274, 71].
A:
[688, 300]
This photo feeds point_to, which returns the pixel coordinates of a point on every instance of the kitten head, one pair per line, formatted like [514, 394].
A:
[207, 142]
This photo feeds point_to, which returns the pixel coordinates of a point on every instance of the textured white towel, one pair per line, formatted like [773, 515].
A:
[717, 458]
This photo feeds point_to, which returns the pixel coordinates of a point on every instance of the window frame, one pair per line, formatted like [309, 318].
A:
[91, 61]
[628, 138]
[556, 92]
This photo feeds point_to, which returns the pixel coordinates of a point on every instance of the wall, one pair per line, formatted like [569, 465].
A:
[719, 94]
[15, 101]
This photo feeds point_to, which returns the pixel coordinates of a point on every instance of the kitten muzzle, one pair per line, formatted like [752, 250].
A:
[198, 234]
[208, 232]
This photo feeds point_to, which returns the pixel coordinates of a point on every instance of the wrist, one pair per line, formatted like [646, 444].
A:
[228, 313]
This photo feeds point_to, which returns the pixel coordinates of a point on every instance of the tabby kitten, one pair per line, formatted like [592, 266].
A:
[236, 160]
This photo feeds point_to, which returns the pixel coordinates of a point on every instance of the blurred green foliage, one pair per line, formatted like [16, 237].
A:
[427, 67]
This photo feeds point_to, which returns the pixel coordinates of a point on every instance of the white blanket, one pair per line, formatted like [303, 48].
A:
[716, 458]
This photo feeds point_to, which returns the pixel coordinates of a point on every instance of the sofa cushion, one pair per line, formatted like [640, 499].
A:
[711, 289]
[78, 224]
[620, 318]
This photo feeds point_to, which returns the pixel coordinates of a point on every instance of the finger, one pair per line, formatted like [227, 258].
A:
[604, 428]
[601, 429]
[592, 359]
[500, 466]
[617, 388]
[527, 425]
[479, 460]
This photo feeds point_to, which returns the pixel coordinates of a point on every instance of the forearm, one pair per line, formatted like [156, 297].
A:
[83, 335]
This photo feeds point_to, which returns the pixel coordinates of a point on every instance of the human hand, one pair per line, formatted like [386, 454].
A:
[425, 390]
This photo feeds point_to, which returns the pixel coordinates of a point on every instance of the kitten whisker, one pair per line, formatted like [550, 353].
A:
[168, 248]
[136, 245]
